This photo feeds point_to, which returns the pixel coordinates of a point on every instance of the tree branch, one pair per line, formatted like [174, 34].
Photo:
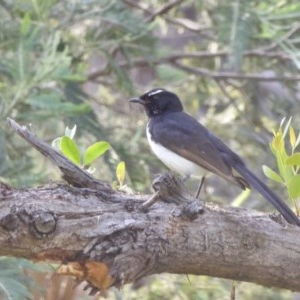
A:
[233, 75]
[174, 59]
[164, 9]
[175, 21]
[105, 239]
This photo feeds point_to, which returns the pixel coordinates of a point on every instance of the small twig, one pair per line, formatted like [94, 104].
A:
[220, 84]
[233, 75]
[170, 20]
[147, 204]
[164, 9]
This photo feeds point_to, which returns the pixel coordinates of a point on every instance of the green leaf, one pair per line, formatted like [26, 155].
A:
[294, 187]
[292, 137]
[120, 172]
[294, 159]
[94, 151]
[271, 174]
[278, 143]
[71, 132]
[70, 150]
[278, 149]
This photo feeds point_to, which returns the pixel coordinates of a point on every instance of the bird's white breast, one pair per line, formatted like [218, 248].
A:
[175, 162]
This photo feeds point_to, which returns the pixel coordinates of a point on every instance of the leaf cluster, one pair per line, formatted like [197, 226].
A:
[288, 161]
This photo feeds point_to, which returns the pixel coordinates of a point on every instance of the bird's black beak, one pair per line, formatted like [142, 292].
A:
[137, 100]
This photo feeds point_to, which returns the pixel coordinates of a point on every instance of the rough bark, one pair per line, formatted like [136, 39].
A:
[94, 229]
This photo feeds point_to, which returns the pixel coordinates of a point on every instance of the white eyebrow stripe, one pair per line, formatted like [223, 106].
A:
[155, 92]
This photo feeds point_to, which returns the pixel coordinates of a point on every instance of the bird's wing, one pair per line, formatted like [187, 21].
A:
[186, 137]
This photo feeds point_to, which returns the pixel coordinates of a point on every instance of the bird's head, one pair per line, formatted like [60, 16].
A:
[158, 102]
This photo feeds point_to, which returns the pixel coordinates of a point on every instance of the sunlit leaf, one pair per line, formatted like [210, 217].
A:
[278, 148]
[277, 142]
[120, 172]
[294, 187]
[70, 150]
[294, 159]
[271, 174]
[94, 151]
[272, 148]
[292, 137]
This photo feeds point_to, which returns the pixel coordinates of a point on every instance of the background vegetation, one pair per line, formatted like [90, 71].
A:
[235, 65]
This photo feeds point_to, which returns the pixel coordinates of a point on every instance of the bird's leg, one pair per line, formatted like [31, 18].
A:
[200, 187]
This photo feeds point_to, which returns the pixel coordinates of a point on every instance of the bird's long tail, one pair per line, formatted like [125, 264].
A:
[258, 185]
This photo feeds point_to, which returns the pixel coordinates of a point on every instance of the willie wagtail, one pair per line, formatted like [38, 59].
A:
[188, 148]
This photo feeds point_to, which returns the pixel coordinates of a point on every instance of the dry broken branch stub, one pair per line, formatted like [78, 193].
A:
[171, 189]
[103, 237]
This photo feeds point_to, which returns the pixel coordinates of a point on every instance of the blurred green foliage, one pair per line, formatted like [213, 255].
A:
[13, 282]
[166, 286]
[68, 147]
[76, 62]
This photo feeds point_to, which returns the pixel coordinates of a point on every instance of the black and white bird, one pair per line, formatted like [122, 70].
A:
[188, 148]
